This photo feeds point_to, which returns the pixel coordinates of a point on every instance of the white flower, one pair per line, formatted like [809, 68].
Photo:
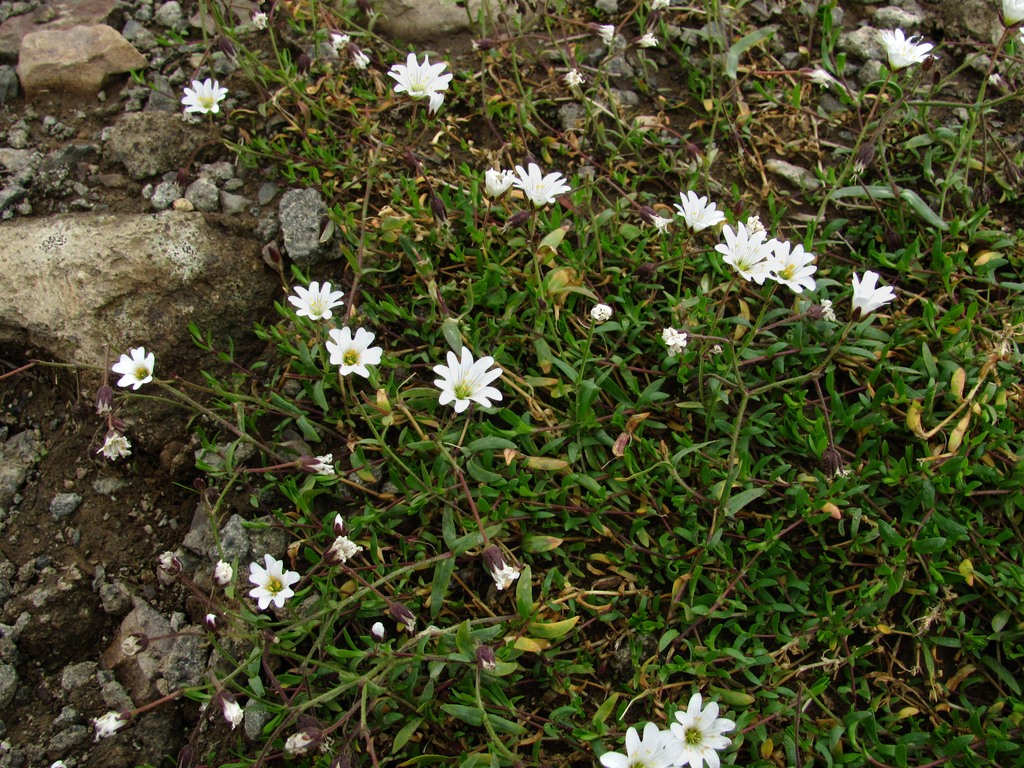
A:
[223, 573]
[821, 77]
[359, 59]
[504, 577]
[497, 183]
[59, 764]
[700, 734]
[115, 446]
[657, 749]
[259, 20]
[659, 5]
[754, 225]
[135, 370]
[339, 41]
[647, 40]
[746, 252]
[697, 212]
[273, 583]
[827, 313]
[110, 723]
[464, 380]
[204, 97]
[607, 33]
[377, 631]
[601, 313]
[1013, 12]
[353, 354]
[421, 80]
[316, 302]
[341, 551]
[574, 79]
[322, 465]
[676, 341]
[299, 744]
[792, 268]
[233, 713]
[502, 573]
[539, 189]
[866, 296]
[901, 50]
[660, 223]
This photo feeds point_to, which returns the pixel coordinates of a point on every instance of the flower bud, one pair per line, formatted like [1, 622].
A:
[402, 615]
[303, 742]
[517, 219]
[233, 713]
[223, 573]
[168, 566]
[377, 632]
[831, 461]
[437, 208]
[502, 573]
[484, 44]
[485, 658]
[210, 622]
[134, 643]
[339, 525]
[104, 400]
[341, 551]
[111, 723]
[303, 63]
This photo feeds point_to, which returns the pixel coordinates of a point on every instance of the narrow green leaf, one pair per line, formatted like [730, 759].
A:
[741, 46]
[439, 586]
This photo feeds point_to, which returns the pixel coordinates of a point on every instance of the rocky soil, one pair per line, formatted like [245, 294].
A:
[123, 222]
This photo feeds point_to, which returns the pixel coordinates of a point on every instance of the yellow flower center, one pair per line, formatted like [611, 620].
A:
[274, 586]
[694, 737]
[351, 357]
[141, 372]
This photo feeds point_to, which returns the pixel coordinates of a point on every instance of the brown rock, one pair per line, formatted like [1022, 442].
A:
[103, 283]
[74, 62]
[55, 14]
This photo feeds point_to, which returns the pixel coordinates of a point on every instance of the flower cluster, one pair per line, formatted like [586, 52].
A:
[695, 738]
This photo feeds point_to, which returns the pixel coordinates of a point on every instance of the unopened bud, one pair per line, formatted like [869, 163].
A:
[517, 219]
[104, 400]
[226, 47]
[223, 573]
[831, 462]
[339, 525]
[485, 44]
[210, 622]
[402, 615]
[377, 632]
[134, 643]
[865, 158]
[303, 63]
[303, 742]
[648, 214]
[485, 658]
[437, 207]
[168, 566]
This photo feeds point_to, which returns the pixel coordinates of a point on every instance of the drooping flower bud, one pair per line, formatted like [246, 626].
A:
[502, 573]
[485, 658]
[402, 615]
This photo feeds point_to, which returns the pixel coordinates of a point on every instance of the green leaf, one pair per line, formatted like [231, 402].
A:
[741, 499]
[741, 46]
[439, 586]
[403, 736]
[524, 593]
[451, 333]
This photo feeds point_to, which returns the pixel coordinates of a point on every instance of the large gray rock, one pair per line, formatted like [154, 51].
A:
[104, 283]
[417, 20]
[151, 143]
[76, 61]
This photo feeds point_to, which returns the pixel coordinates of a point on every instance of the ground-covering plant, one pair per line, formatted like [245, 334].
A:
[588, 420]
